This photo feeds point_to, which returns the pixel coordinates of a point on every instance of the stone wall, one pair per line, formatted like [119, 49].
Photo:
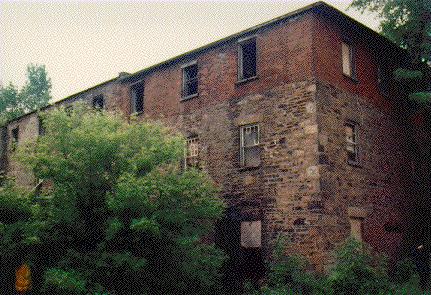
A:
[380, 184]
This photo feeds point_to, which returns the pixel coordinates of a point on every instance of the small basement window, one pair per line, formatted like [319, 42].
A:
[192, 153]
[247, 59]
[190, 80]
[351, 130]
[348, 60]
[249, 146]
[137, 97]
[98, 102]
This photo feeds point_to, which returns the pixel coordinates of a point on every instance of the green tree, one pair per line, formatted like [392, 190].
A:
[408, 24]
[34, 95]
[121, 216]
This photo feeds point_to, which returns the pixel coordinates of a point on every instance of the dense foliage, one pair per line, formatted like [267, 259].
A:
[120, 215]
[34, 95]
[408, 24]
[355, 272]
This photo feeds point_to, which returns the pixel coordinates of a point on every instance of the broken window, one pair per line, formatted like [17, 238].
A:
[351, 129]
[192, 152]
[137, 91]
[98, 102]
[190, 80]
[247, 59]
[348, 59]
[249, 146]
[15, 137]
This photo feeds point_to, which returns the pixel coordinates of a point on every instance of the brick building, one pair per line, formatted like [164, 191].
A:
[296, 119]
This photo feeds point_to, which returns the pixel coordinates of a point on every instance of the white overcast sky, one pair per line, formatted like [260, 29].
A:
[85, 43]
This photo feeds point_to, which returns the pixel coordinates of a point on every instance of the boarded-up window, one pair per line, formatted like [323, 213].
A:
[251, 234]
[190, 80]
[247, 59]
[249, 146]
[137, 97]
[348, 59]
[351, 130]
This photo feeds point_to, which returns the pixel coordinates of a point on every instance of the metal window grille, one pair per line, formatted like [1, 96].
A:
[249, 145]
[352, 142]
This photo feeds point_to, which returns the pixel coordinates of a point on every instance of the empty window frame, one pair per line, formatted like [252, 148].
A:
[137, 97]
[190, 80]
[247, 59]
[351, 129]
[348, 59]
[192, 152]
[249, 145]
[98, 102]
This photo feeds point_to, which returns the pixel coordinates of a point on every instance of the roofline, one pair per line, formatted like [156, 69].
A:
[305, 9]
[59, 101]
[226, 39]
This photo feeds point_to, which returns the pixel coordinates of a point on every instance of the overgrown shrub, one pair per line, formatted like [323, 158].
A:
[356, 272]
[121, 212]
[61, 282]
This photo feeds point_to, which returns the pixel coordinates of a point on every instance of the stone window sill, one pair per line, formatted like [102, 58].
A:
[243, 81]
[184, 98]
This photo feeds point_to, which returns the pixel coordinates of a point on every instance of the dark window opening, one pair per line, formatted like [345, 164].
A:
[41, 127]
[247, 59]
[68, 110]
[98, 102]
[15, 137]
[137, 97]
[190, 80]
[351, 130]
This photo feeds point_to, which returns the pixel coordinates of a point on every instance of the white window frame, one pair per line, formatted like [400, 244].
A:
[185, 81]
[354, 143]
[240, 70]
[244, 129]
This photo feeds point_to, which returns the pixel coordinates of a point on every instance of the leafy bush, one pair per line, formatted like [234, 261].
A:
[356, 272]
[61, 282]
[288, 274]
[121, 213]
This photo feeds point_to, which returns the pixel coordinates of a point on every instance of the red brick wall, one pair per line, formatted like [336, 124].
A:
[283, 55]
[369, 51]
